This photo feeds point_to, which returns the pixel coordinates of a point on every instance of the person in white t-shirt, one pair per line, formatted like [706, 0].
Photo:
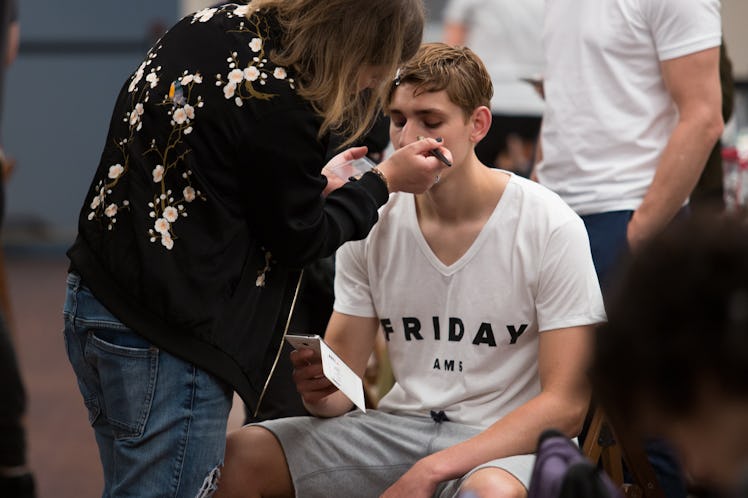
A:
[633, 109]
[486, 295]
[506, 35]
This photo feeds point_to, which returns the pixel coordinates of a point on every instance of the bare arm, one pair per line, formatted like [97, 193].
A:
[455, 33]
[693, 83]
[14, 36]
[562, 404]
[352, 338]
[538, 155]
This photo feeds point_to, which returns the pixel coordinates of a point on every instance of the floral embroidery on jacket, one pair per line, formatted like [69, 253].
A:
[173, 181]
[240, 83]
[262, 274]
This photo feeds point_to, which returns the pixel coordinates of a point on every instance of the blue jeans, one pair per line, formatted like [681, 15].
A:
[159, 421]
[608, 242]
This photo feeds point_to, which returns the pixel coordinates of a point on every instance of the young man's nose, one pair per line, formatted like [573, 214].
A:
[410, 133]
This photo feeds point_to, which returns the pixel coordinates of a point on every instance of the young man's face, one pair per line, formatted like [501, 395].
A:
[430, 114]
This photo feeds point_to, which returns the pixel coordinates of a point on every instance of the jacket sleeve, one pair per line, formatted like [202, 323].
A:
[281, 167]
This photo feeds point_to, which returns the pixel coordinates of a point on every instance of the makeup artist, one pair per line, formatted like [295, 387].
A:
[211, 195]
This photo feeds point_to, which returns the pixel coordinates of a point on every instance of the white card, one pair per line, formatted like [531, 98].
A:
[333, 367]
[342, 376]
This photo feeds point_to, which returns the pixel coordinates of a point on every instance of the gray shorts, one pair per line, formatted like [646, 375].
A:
[361, 454]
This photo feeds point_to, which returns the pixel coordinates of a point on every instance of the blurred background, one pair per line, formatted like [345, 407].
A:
[73, 58]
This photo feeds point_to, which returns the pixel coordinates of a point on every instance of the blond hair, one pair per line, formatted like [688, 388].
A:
[438, 66]
[328, 42]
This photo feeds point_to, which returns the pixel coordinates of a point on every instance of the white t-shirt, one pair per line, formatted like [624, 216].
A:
[608, 114]
[464, 338]
[506, 35]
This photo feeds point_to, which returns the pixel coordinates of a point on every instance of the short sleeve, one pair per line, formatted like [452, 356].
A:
[568, 291]
[683, 27]
[352, 288]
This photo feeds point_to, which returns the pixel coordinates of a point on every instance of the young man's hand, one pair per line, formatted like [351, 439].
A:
[418, 482]
[311, 382]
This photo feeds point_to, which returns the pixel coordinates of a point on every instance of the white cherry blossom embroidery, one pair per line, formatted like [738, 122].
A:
[204, 15]
[152, 78]
[181, 103]
[136, 77]
[255, 71]
[167, 241]
[180, 117]
[251, 73]
[162, 226]
[115, 171]
[189, 194]
[171, 214]
[158, 174]
[262, 274]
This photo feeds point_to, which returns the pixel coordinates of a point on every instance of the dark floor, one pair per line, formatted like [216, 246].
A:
[62, 450]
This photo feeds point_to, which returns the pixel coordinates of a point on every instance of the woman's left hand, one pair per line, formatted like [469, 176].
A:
[334, 181]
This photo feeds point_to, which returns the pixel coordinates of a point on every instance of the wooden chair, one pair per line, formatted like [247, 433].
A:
[612, 449]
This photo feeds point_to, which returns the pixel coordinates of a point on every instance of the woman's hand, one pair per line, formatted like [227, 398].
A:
[412, 169]
[334, 181]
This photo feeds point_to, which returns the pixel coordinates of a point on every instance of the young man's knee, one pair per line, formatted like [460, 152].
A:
[254, 465]
[493, 482]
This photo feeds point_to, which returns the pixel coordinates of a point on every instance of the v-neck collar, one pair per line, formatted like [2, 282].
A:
[423, 245]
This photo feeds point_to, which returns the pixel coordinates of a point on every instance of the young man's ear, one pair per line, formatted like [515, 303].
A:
[481, 122]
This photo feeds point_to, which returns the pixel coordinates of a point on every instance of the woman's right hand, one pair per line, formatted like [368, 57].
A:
[412, 169]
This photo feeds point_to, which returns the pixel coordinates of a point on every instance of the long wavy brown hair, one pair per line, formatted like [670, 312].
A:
[328, 42]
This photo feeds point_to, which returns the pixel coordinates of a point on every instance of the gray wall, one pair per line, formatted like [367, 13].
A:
[74, 57]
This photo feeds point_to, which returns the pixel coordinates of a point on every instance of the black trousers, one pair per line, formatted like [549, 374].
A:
[12, 405]
[12, 394]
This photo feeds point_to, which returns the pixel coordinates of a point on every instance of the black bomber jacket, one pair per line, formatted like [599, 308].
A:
[207, 200]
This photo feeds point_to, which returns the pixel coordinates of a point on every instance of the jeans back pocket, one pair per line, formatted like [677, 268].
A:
[127, 379]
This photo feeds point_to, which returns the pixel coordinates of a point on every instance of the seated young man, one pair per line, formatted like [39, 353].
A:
[486, 294]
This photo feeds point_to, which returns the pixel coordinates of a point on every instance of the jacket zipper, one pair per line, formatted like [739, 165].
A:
[280, 346]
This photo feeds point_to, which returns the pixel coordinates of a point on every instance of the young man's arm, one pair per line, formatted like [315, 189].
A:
[352, 338]
[693, 83]
[562, 404]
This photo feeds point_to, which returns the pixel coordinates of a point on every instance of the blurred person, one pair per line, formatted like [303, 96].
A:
[211, 194]
[486, 294]
[633, 109]
[680, 315]
[16, 479]
[506, 35]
